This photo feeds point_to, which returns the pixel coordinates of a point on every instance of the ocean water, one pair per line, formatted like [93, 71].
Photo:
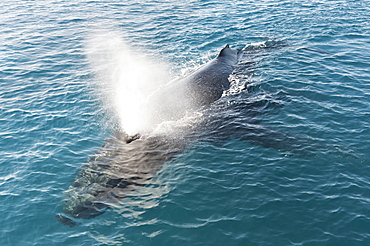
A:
[306, 75]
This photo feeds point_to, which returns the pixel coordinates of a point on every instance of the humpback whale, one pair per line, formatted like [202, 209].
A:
[125, 163]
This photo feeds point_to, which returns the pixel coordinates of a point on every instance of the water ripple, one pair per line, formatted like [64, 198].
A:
[226, 189]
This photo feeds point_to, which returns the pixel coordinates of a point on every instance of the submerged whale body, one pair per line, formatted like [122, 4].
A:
[116, 169]
[125, 163]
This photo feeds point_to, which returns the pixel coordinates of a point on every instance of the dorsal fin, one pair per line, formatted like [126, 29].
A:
[222, 52]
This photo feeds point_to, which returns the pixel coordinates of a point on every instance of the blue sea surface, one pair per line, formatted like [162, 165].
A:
[314, 86]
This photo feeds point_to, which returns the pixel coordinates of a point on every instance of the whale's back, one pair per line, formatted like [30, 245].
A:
[202, 87]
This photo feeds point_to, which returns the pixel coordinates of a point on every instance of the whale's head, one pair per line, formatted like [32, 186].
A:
[229, 55]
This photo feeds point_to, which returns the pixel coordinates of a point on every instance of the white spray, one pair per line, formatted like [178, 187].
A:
[127, 78]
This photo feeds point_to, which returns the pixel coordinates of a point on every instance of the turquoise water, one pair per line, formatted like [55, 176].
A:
[243, 189]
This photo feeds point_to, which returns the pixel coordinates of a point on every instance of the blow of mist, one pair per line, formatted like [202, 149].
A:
[127, 80]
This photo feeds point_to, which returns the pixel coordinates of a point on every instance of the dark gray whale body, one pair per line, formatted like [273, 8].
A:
[200, 88]
[207, 84]
[125, 163]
